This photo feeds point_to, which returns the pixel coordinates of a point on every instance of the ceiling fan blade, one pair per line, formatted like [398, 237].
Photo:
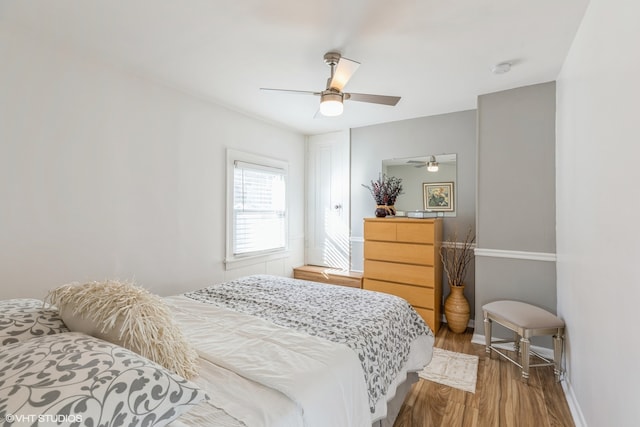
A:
[375, 99]
[417, 163]
[300, 92]
[343, 72]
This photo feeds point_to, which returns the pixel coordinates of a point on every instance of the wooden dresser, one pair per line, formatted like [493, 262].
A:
[328, 275]
[402, 257]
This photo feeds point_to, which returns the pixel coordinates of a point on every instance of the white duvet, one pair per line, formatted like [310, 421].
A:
[261, 374]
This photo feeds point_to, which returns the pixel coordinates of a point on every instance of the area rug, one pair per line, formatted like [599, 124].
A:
[452, 369]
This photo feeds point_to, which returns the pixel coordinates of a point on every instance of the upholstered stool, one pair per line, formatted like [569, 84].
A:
[526, 321]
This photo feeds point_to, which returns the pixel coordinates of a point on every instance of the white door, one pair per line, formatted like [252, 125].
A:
[328, 200]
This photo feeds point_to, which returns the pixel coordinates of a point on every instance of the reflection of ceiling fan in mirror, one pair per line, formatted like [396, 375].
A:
[332, 98]
[431, 164]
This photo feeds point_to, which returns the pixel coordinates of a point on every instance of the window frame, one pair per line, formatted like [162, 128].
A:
[233, 261]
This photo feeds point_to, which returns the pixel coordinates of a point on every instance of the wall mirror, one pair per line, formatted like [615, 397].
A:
[418, 171]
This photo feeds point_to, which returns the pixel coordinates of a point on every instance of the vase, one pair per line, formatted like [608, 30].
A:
[381, 212]
[456, 310]
[391, 210]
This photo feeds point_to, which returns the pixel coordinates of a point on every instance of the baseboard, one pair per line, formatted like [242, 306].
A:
[574, 407]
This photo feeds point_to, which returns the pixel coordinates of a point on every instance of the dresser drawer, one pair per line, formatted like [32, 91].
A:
[420, 275]
[415, 232]
[391, 230]
[415, 295]
[409, 253]
[380, 231]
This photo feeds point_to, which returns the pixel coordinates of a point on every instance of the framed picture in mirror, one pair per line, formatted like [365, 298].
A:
[438, 196]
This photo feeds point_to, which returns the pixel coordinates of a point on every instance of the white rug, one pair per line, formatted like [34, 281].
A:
[452, 369]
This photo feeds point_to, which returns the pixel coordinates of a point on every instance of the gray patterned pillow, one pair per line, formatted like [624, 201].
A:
[22, 319]
[77, 378]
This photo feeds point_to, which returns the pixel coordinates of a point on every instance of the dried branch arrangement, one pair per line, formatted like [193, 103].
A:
[456, 257]
[385, 190]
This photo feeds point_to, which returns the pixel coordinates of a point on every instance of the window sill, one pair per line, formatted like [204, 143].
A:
[239, 262]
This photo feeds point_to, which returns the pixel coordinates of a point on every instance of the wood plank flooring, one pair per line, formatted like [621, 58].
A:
[500, 400]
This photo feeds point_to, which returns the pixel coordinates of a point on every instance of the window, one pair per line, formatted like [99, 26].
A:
[258, 208]
[258, 212]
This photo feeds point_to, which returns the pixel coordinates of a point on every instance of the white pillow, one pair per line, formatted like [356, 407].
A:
[129, 316]
[25, 318]
[78, 379]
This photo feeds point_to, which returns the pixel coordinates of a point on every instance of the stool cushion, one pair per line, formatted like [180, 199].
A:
[525, 315]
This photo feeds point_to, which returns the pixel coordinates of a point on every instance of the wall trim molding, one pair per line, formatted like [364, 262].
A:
[459, 245]
[531, 256]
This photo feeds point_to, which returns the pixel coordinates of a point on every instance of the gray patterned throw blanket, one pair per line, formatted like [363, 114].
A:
[378, 327]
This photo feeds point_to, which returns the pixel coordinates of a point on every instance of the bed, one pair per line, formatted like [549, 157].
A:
[276, 351]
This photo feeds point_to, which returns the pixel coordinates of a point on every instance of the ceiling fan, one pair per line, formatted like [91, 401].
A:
[332, 98]
[431, 164]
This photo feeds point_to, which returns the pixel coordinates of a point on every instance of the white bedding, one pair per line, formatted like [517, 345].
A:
[303, 376]
[266, 361]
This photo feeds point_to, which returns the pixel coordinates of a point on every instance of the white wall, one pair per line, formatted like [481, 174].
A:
[598, 231]
[104, 174]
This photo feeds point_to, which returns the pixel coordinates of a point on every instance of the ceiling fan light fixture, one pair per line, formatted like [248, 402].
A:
[332, 98]
[331, 104]
[432, 165]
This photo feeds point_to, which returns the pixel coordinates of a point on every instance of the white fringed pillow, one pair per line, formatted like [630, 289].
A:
[129, 316]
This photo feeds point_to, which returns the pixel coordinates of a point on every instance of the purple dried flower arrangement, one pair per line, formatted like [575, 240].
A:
[385, 190]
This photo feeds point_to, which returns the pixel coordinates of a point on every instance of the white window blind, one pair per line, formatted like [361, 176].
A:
[259, 209]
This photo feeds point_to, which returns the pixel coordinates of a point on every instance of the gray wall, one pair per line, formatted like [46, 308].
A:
[446, 133]
[515, 256]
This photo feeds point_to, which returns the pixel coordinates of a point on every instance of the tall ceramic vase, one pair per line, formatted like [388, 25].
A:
[456, 309]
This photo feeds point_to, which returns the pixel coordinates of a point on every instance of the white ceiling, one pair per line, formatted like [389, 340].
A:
[436, 54]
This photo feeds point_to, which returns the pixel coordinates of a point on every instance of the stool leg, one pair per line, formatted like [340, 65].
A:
[487, 335]
[524, 350]
[557, 353]
[516, 343]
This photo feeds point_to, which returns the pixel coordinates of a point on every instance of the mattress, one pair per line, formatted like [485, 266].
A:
[276, 351]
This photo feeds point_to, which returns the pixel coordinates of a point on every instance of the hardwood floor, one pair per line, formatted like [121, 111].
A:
[500, 400]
